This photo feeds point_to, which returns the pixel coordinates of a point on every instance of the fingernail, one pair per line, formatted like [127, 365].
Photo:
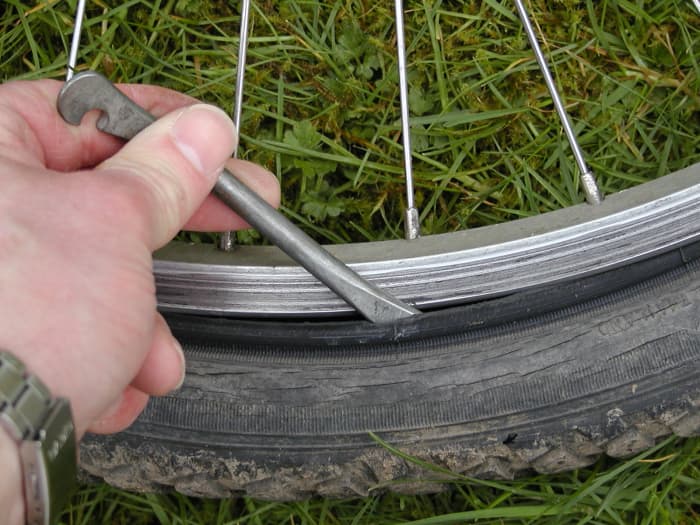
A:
[178, 349]
[205, 136]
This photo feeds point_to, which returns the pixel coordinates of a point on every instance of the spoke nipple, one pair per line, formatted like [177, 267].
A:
[590, 188]
[227, 242]
[411, 224]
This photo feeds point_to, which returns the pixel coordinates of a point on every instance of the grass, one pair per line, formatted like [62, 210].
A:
[321, 111]
[660, 486]
[321, 105]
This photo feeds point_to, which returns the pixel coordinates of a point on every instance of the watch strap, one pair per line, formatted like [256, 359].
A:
[43, 428]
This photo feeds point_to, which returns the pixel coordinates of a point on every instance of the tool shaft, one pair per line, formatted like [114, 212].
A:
[372, 302]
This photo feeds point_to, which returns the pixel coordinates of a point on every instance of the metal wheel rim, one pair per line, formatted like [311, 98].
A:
[441, 270]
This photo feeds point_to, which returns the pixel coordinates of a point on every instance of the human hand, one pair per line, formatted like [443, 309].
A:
[81, 217]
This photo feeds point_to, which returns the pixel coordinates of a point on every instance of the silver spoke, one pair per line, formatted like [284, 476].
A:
[590, 188]
[75, 42]
[411, 218]
[226, 240]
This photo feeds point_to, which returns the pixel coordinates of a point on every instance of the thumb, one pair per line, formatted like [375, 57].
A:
[168, 169]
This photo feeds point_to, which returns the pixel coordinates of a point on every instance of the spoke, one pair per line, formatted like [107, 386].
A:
[590, 188]
[75, 42]
[240, 66]
[411, 219]
[226, 241]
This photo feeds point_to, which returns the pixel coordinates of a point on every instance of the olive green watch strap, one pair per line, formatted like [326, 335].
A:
[43, 428]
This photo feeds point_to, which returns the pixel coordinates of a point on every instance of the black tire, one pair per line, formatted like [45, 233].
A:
[545, 379]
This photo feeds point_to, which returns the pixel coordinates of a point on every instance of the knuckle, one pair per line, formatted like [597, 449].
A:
[151, 194]
[122, 203]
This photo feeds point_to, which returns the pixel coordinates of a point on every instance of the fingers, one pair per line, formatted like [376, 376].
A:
[214, 215]
[35, 134]
[163, 370]
[123, 412]
[164, 367]
[167, 170]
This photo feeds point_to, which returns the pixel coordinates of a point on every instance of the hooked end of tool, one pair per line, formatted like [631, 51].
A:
[80, 94]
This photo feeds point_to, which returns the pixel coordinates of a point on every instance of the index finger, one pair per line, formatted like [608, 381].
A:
[34, 133]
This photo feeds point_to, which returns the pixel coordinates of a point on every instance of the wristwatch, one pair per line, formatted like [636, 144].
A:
[43, 428]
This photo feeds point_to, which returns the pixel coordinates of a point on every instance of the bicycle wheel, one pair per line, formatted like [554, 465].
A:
[546, 342]
[546, 378]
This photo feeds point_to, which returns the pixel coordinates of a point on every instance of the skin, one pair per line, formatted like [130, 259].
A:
[81, 215]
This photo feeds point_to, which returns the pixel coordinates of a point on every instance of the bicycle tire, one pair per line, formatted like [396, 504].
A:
[545, 379]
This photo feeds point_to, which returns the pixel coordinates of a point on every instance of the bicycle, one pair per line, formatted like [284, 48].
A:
[577, 337]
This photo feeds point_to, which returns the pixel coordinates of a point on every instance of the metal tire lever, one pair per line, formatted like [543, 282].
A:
[123, 118]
